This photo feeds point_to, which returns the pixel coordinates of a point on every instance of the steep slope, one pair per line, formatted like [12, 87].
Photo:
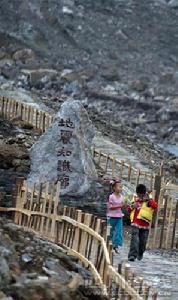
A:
[134, 37]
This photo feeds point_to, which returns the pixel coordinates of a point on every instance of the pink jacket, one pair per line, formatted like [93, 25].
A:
[112, 201]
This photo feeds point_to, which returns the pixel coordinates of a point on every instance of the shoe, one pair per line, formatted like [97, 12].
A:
[131, 258]
[139, 257]
[116, 249]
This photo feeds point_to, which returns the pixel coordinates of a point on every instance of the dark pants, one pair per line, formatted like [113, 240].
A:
[138, 242]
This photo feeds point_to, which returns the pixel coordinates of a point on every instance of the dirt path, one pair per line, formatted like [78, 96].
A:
[159, 269]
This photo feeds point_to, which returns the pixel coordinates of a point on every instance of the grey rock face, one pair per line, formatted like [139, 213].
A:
[63, 153]
[4, 270]
[173, 3]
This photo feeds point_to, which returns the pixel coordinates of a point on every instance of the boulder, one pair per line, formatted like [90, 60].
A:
[24, 55]
[63, 152]
[40, 75]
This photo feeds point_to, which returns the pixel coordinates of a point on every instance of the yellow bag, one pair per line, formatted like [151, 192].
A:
[146, 213]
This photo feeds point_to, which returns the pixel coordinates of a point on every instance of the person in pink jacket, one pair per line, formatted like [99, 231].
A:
[115, 215]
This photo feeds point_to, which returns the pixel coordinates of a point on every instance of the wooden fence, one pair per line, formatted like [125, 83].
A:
[165, 231]
[84, 236]
[11, 109]
[41, 120]
[119, 168]
[164, 234]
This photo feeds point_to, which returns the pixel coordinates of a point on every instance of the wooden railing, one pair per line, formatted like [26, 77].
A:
[123, 170]
[11, 109]
[83, 235]
[165, 231]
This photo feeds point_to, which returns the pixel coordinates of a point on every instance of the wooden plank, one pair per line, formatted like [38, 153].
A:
[137, 177]
[99, 158]
[119, 279]
[43, 122]
[21, 221]
[44, 207]
[76, 235]
[164, 220]
[48, 221]
[30, 205]
[113, 166]
[61, 238]
[174, 225]
[129, 172]
[168, 233]
[88, 238]
[56, 201]
[106, 164]
[121, 169]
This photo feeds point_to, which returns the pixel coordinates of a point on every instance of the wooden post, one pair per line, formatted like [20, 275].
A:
[21, 204]
[5, 107]
[43, 122]
[13, 109]
[121, 289]
[99, 158]
[137, 177]
[91, 243]
[127, 270]
[61, 237]
[113, 166]
[32, 117]
[44, 207]
[168, 233]
[28, 114]
[9, 109]
[174, 225]
[140, 285]
[55, 204]
[16, 193]
[129, 171]
[46, 121]
[122, 168]
[155, 295]
[18, 206]
[36, 119]
[77, 232]
[29, 221]
[164, 220]
[146, 291]
[157, 188]
[50, 200]
[106, 164]
[2, 107]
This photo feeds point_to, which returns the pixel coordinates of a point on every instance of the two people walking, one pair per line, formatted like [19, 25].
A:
[141, 213]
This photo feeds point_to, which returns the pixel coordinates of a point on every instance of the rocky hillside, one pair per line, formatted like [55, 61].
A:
[32, 268]
[113, 39]
[120, 58]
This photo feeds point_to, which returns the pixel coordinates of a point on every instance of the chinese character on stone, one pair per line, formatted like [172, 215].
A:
[64, 166]
[64, 152]
[69, 123]
[65, 137]
[61, 123]
[64, 179]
